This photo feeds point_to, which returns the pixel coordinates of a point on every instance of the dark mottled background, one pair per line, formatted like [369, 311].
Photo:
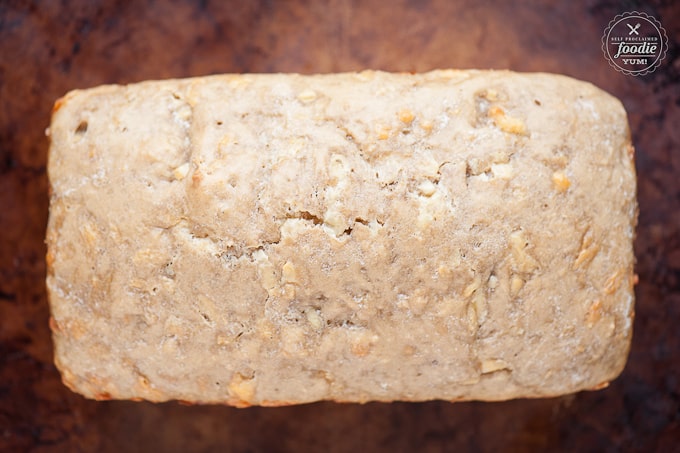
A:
[50, 47]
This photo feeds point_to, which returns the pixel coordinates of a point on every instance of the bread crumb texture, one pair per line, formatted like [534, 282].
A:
[282, 239]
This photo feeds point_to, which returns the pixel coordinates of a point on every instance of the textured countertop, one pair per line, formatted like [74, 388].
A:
[47, 49]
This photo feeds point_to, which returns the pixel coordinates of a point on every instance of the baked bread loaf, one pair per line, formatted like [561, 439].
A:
[283, 239]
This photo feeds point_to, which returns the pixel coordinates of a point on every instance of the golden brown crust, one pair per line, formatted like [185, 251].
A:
[57, 104]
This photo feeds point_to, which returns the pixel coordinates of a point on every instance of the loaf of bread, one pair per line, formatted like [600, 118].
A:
[283, 239]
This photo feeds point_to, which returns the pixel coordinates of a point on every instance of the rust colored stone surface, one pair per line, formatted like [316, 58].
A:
[48, 48]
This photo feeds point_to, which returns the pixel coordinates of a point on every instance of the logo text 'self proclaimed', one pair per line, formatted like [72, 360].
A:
[634, 43]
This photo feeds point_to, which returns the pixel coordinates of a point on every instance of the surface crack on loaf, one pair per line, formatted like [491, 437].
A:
[589, 248]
